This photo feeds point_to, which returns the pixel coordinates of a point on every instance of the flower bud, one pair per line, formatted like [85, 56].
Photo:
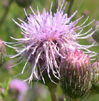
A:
[23, 3]
[75, 77]
[2, 53]
[7, 66]
[85, 12]
[96, 34]
[5, 3]
[95, 79]
[2, 90]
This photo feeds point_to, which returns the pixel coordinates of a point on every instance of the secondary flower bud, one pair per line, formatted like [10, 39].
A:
[96, 34]
[75, 77]
[95, 80]
[2, 52]
[24, 3]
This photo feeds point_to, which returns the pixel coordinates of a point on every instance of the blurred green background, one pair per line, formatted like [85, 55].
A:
[9, 28]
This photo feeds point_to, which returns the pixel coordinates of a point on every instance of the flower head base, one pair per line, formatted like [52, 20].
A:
[75, 77]
[48, 38]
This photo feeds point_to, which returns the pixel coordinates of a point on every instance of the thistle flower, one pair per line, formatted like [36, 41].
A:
[75, 77]
[46, 41]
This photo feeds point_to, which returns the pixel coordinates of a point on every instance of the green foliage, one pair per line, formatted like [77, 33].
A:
[5, 85]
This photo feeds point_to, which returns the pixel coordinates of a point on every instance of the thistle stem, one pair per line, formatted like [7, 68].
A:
[53, 93]
[5, 12]
[70, 6]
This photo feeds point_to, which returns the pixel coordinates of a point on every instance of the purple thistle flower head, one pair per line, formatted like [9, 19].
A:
[46, 41]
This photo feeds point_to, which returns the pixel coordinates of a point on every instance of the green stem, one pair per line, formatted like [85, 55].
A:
[5, 13]
[69, 8]
[56, 4]
[53, 93]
